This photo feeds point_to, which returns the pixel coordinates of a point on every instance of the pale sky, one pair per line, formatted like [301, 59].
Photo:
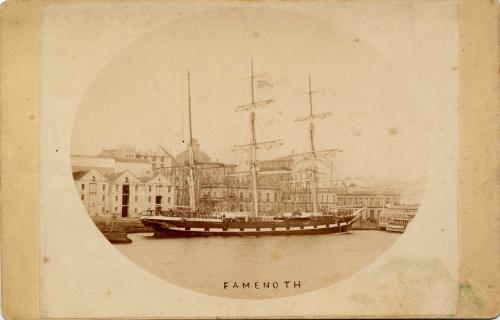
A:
[140, 97]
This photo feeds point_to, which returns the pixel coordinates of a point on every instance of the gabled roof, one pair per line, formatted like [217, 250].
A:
[147, 179]
[115, 176]
[77, 175]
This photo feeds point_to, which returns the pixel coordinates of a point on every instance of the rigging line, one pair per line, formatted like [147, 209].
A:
[261, 130]
[306, 143]
[242, 155]
[245, 153]
[242, 139]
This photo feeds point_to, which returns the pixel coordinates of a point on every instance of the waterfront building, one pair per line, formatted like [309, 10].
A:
[198, 155]
[159, 158]
[374, 200]
[222, 187]
[93, 189]
[86, 163]
[131, 195]
[406, 212]
[235, 194]
[156, 158]
[123, 194]
[209, 175]
[279, 163]
[121, 151]
[158, 193]
[298, 196]
[284, 184]
[107, 165]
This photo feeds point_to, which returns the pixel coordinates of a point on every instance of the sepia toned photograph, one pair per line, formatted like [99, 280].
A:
[286, 156]
[236, 159]
[249, 159]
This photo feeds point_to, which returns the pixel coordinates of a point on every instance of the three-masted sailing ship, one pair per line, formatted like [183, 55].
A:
[192, 222]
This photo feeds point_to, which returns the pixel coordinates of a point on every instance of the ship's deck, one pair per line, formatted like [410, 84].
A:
[247, 219]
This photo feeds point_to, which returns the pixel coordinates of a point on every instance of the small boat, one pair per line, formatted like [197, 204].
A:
[190, 222]
[397, 224]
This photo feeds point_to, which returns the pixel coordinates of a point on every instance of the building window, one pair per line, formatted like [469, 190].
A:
[169, 188]
[149, 188]
[83, 197]
[126, 179]
[116, 209]
[102, 209]
[135, 198]
[136, 188]
[116, 198]
[159, 189]
[83, 186]
[93, 178]
[135, 210]
[149, 199]
[116, 187]
[168, 200]
[103, 198]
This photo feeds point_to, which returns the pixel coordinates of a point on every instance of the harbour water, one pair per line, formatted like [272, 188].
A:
[257, 267]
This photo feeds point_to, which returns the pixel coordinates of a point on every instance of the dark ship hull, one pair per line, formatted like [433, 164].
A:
[175, 226]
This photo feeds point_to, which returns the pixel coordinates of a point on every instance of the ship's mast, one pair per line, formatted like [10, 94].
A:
[312, 150]
[192, 200]
[253, 147]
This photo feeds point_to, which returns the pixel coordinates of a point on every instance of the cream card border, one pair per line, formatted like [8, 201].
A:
[479, 153]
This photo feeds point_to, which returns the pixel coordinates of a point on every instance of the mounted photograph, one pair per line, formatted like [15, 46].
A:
[284, 168]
